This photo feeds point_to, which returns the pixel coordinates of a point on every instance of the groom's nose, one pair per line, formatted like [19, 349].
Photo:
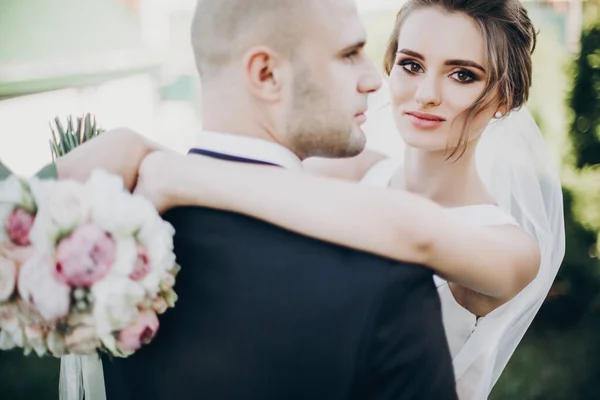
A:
[371, 80]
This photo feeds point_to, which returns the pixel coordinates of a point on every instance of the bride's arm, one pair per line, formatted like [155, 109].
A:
[119, 151]
[352, 169]
[394, 224]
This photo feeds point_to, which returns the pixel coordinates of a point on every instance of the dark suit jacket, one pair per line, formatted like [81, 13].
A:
[266, 314]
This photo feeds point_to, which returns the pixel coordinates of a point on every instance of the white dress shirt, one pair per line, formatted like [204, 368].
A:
[249, 148]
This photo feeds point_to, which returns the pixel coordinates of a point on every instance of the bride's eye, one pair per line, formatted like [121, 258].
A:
[410, 66]
[464, 76]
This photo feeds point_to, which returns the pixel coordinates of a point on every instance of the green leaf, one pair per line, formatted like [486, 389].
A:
[55, 151]
[76, 133]
[48, 172]
[4, 172]
[80, 130]
[61, 137]
[70, 125]
[71, 141]
[88, 127]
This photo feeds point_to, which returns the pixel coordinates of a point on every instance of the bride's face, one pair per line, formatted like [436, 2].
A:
[439, 72]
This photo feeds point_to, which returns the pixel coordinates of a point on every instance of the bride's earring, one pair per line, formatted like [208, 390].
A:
[498, 114]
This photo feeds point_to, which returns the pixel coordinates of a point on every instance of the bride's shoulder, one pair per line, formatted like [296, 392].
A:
[382, 172]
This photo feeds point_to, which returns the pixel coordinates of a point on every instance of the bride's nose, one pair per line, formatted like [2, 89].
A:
[428, 91]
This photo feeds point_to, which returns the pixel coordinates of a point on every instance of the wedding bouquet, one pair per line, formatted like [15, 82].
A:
[17, 212]
[83, 267]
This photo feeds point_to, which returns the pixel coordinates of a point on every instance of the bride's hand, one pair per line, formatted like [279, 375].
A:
[117, 151]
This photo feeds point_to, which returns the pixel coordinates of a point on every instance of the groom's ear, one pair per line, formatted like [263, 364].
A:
[265, 73]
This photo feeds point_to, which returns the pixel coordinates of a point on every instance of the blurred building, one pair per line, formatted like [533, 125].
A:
[130, 63]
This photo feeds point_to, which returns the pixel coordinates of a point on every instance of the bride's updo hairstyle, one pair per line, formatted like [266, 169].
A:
[509, 37]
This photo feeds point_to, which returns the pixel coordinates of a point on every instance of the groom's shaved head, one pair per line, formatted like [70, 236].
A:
[223, 29]
[291, 71]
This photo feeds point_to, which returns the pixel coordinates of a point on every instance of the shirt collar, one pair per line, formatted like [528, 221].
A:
[249, 148]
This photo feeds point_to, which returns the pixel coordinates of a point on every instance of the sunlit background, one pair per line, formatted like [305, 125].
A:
[129, 62]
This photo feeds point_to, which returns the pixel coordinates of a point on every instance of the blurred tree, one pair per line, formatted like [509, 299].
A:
[559, 357]
[585, 100]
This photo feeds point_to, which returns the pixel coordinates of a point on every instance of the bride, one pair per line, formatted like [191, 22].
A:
[459, 77]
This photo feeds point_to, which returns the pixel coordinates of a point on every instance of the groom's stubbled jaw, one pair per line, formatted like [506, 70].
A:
[333, 78]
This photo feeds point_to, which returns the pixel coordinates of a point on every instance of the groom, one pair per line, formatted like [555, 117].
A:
[264, 313]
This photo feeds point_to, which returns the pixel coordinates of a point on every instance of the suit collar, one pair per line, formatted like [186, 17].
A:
[246, 148]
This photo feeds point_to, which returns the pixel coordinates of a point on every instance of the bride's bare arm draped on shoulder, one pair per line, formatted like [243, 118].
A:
[119, 151]
[352, 169]
[496, 262]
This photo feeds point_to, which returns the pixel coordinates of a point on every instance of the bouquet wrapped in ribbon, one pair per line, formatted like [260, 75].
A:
[84, 268]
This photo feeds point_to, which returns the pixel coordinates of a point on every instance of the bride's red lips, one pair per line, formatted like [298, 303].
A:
[424, 120]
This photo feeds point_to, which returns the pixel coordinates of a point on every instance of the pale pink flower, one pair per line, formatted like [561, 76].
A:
[142, 264]
[167, 282]
[56, 344]
[83, 340]
[18, 226]
[85, 256]
[141, 332]
[39, 288]
[159, 304]
[36, 336]
[8, 277]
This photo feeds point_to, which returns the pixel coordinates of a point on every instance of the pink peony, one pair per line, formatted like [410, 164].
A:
[141, 332]
[39, 288]
[18, 226]
[85, 256]
[142, 264]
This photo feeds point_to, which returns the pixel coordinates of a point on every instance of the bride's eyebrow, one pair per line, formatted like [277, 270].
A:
[465, 63]
[411, 53]
[453, 63]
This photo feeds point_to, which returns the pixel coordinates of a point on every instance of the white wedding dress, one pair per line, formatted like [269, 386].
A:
[459, 323]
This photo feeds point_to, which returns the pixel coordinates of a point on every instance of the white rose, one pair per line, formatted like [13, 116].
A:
[36, 337]
[41, 189]
[66, 205]
[11, 334]
[5, 210]
[8, 318]
[100, 179]
[56, 344]
[113, 208]
[115, 304]
[125, 257]
[8, 278]
[39, 288]
[157, 237]
[6, 340]
[151, 283]
[11, 190]
[44, 233]
[11, 195]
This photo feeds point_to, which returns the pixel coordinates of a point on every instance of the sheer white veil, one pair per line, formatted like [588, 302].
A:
[519, 171]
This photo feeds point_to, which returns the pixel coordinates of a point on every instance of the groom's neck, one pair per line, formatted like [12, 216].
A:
[220, 114]
[246, 130]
